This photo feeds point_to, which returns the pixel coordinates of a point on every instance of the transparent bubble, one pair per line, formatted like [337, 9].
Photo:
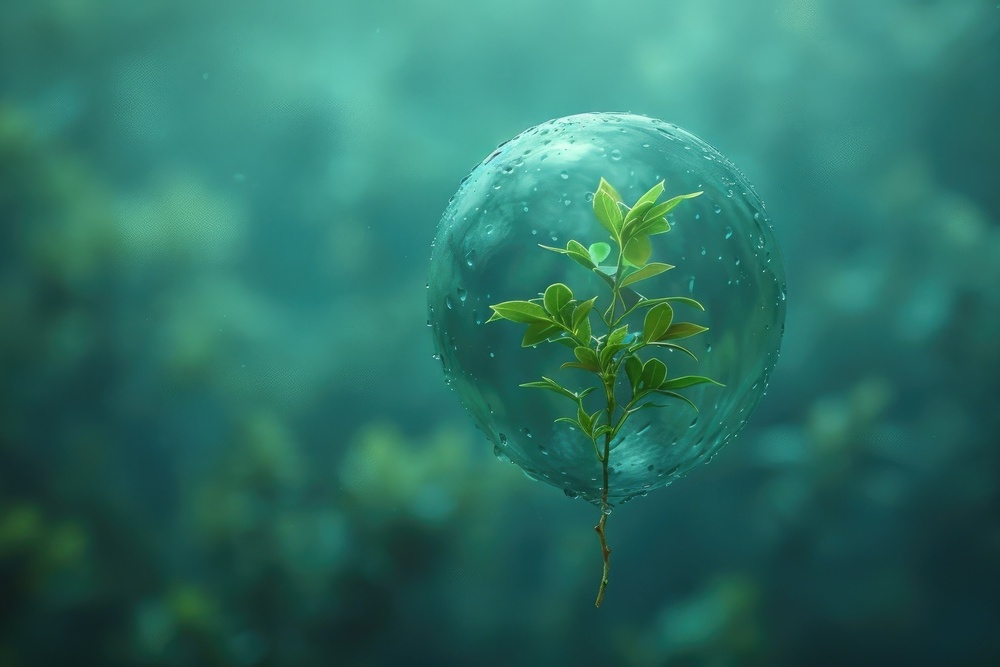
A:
[548, 175]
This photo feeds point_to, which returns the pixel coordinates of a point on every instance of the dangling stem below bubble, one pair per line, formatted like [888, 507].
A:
[609, 390]
[605, 510]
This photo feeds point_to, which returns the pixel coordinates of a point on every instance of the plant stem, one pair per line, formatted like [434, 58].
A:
[605, 510]
[609, 392]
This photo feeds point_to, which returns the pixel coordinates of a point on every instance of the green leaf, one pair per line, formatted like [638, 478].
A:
[607, 212]
[637, 250]
[588, 357]
[608, 352]
[654, 221]
[682, 330]
[647, 404]
[688, 381]
[654, 372]
[646, 303]
[651, 195]
[585, 420]
[575, 251]
[660, 226]
[606, 187]
[579, 254]
[618, 335]
[582, 310]
[660, 210]
[575, 364]
[582, 260]
[634, 216]
[674, 394]
[673, 346]
[582, 331]
[565, 341]
[633, 369]
[552, 385]
[570, 421]
[648, 271]
[599, 252]
[539, 332]
[523, 312]
[556, 297]
[657, 322]
[566, 313]
[601, 430]
[649, 303]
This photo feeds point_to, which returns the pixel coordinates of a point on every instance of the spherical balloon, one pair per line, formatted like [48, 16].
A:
[537, 189]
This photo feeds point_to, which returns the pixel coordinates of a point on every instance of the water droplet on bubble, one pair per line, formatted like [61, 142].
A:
[616, 155]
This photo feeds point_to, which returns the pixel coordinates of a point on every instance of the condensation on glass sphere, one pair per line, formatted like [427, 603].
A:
[537, 189]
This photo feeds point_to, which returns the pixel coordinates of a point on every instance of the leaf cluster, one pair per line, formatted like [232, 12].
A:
[553, 315]
[558, 316]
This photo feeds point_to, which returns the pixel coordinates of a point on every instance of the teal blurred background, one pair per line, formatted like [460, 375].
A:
[223, 439]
